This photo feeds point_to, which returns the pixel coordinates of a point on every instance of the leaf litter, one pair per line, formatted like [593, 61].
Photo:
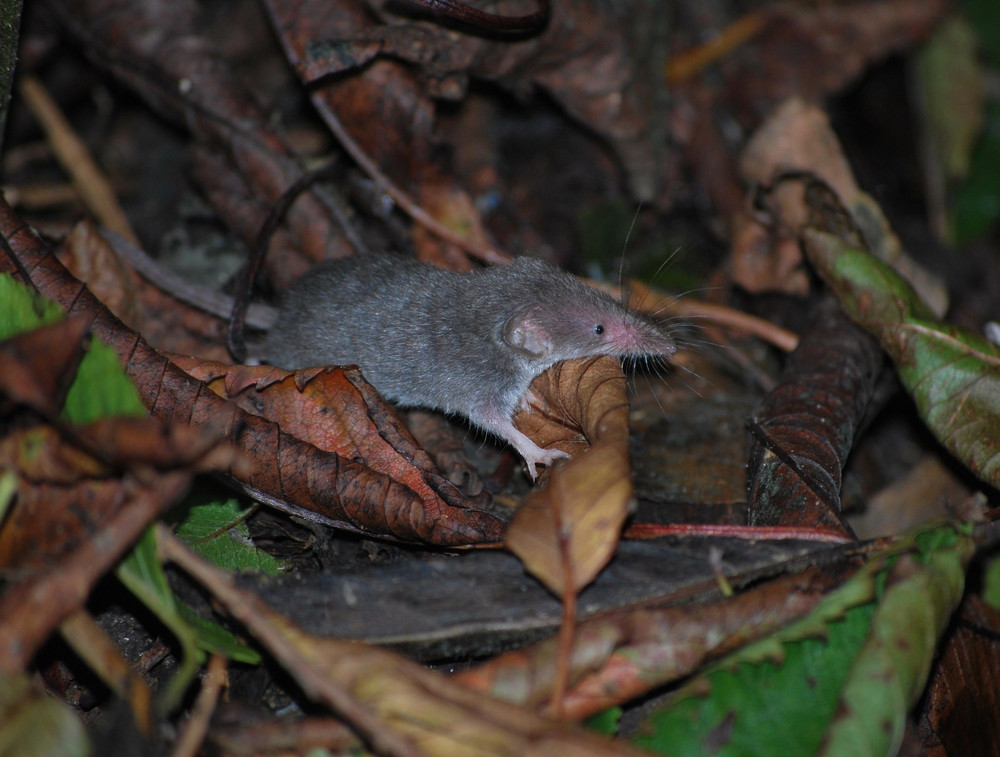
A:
[322, 446]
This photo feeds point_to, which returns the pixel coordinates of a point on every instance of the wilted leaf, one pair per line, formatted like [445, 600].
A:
[806, 426]
[567, 532]
[950, 724]
[953, 375]
[91, 259]
[891, 669]
[623, 655]
[37, 363]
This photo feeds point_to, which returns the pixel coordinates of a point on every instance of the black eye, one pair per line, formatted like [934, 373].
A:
[598, 329]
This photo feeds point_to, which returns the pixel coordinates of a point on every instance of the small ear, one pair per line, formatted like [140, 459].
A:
[523, 333]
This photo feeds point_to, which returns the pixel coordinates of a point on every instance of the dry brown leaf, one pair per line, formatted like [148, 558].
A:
[90, 258]
[34, 605]
[567, 531]
[168, 323]
[798, 137]
[70, 483]
[335, 410]
[37, 367]
[576, 403]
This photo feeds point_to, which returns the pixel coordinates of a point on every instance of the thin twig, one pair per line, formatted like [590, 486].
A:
[90, 182]
[407, 203]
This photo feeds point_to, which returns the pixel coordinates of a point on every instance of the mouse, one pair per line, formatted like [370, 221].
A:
[466, 343]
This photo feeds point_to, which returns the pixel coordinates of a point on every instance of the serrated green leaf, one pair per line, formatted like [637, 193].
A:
[33, 724]
[953, 375]
[786, 695]
[216, 531]
[793, 677]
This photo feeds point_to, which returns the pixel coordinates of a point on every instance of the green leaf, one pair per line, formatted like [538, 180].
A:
[776, 696]
[102, 389]
[991, 581]
[985, 18]
[215, 639]
[822, 681]
[891, 669]
[951, 81]
[217, 532]
[34, 724]
[976, 204]
[142, 574]
[8, 488]
[606, 722]
[953, 375]
[22, 309]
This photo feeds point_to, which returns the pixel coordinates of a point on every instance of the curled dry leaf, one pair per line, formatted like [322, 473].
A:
[964, 664]
[806, 427]
[566, 532]
[577, 404]
[91, 259]
[798, 137]
[622, 655]
[168, 323]
[335, 410]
